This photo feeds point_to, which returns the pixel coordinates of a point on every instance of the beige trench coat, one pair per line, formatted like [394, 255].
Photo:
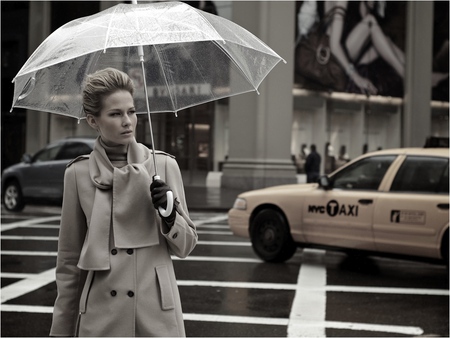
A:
[138, 296]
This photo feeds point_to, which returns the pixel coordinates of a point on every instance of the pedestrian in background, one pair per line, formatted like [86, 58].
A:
[114, 271]
[312, 165]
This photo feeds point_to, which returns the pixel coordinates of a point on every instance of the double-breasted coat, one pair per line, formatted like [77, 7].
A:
[138, 294]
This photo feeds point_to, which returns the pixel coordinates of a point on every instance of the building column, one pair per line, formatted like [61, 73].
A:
[260, 125]
[419, 51]
[37, 125]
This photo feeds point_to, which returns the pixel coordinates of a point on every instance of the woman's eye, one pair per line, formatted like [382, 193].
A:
[131, 112]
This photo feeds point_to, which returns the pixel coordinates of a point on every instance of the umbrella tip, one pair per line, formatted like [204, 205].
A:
[284, 61]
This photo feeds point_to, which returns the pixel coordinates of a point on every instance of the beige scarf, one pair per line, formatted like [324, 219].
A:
[122, 206]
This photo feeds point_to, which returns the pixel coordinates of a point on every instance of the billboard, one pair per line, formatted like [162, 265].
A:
[359, 47]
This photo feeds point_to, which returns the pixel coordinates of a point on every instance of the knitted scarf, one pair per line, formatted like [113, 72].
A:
[122, 206]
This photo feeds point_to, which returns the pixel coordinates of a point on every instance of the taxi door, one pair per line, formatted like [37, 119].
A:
[411, 217]
[342, 216]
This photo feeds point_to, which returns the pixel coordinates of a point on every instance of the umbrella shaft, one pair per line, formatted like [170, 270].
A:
[149, 117]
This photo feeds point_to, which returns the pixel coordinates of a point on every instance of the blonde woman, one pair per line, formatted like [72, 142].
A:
[114, 270]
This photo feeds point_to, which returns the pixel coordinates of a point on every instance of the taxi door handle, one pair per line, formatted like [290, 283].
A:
[443, 206]
[365, 201]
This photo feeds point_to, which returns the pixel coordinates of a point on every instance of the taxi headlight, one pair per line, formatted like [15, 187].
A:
[240, 204]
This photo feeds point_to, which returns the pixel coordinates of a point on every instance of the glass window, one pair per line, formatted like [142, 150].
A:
[363, 175]
[422, 174]
[47, 154]
[73, 150]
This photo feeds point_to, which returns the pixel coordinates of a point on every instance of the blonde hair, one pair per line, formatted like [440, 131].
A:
[103, 83]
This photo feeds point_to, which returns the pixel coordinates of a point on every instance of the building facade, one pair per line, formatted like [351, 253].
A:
[251, 141]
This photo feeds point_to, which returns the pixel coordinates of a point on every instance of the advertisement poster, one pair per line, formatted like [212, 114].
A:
[359, 47]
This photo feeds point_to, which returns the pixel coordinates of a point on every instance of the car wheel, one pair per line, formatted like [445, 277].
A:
[271, 238]
[13, 199]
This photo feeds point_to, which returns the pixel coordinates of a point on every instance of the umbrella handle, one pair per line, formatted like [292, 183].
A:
[168, 211]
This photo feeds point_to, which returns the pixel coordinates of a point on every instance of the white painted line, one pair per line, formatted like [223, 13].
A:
[42, 226]
[26, 308]
[27, 285]
[219, 259]
[189, 258]
[18, 275]
[28, 253]
[406, 330]
[235, 319]
[206, 232]
[55, 238]
[387, 290]
[219, 218]
[309, 303]
[29, 238]
[29, 222]
[243, 285]
[224, 243]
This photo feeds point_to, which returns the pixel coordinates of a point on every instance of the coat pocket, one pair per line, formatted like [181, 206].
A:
[86, 289]
[165, 287]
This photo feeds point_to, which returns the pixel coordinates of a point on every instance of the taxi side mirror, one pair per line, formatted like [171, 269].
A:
[325, 182]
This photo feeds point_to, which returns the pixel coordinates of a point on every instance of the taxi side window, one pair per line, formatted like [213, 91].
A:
[423, 175]
[366, 174]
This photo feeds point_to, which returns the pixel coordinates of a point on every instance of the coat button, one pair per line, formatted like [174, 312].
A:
[175, 235]
[113, 293]
[130, 294]
[130, 251]
[114, 251]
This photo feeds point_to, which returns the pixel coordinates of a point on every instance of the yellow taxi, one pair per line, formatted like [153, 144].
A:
[393, 202]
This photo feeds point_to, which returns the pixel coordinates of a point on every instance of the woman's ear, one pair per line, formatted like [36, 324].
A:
[91, 121]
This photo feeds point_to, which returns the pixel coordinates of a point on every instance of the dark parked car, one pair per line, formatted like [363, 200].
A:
[41, 177]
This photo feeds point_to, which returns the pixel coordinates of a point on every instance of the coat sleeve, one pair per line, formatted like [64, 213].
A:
[69, 278]
[182, 237]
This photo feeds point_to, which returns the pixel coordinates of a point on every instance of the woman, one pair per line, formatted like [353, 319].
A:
[364, 42]
[114, 272]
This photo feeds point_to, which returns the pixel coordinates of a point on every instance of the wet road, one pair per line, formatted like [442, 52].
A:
[227, 291]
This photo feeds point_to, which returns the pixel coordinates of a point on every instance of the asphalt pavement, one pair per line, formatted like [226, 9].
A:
[210, 199]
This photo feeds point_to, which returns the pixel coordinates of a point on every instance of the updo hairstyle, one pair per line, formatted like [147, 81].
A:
[103, 83]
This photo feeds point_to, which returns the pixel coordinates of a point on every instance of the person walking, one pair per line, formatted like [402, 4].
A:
[114, 272]
[312, 165]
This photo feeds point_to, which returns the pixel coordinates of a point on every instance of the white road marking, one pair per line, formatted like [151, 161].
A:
[407, 330]
[307, 318]
[206, 232]
[308, 312]
[27, 285]
[29, 222]
[219, 218]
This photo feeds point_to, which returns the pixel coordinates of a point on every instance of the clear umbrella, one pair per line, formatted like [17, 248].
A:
[179, 55]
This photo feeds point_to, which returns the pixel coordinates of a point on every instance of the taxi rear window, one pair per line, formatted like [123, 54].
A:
[421, 174]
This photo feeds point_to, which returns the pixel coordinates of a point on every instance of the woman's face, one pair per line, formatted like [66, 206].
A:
[117, 120]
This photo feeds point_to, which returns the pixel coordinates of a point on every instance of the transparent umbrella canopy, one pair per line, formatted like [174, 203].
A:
[184, 48]
[179, 56]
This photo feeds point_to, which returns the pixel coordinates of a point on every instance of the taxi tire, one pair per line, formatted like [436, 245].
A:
[12, 198]
[271, 238]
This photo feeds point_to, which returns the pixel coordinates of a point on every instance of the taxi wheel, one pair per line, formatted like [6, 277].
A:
[13, 199]
[271, 238]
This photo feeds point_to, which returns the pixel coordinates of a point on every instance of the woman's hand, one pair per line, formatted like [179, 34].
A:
[364, 84]
[159, 190]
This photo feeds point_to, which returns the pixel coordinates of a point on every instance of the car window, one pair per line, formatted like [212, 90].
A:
[422, 174]
[366, 174]
[48, 154]
[73, 150]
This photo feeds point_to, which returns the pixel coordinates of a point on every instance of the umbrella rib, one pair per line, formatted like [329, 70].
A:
[165, 78]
